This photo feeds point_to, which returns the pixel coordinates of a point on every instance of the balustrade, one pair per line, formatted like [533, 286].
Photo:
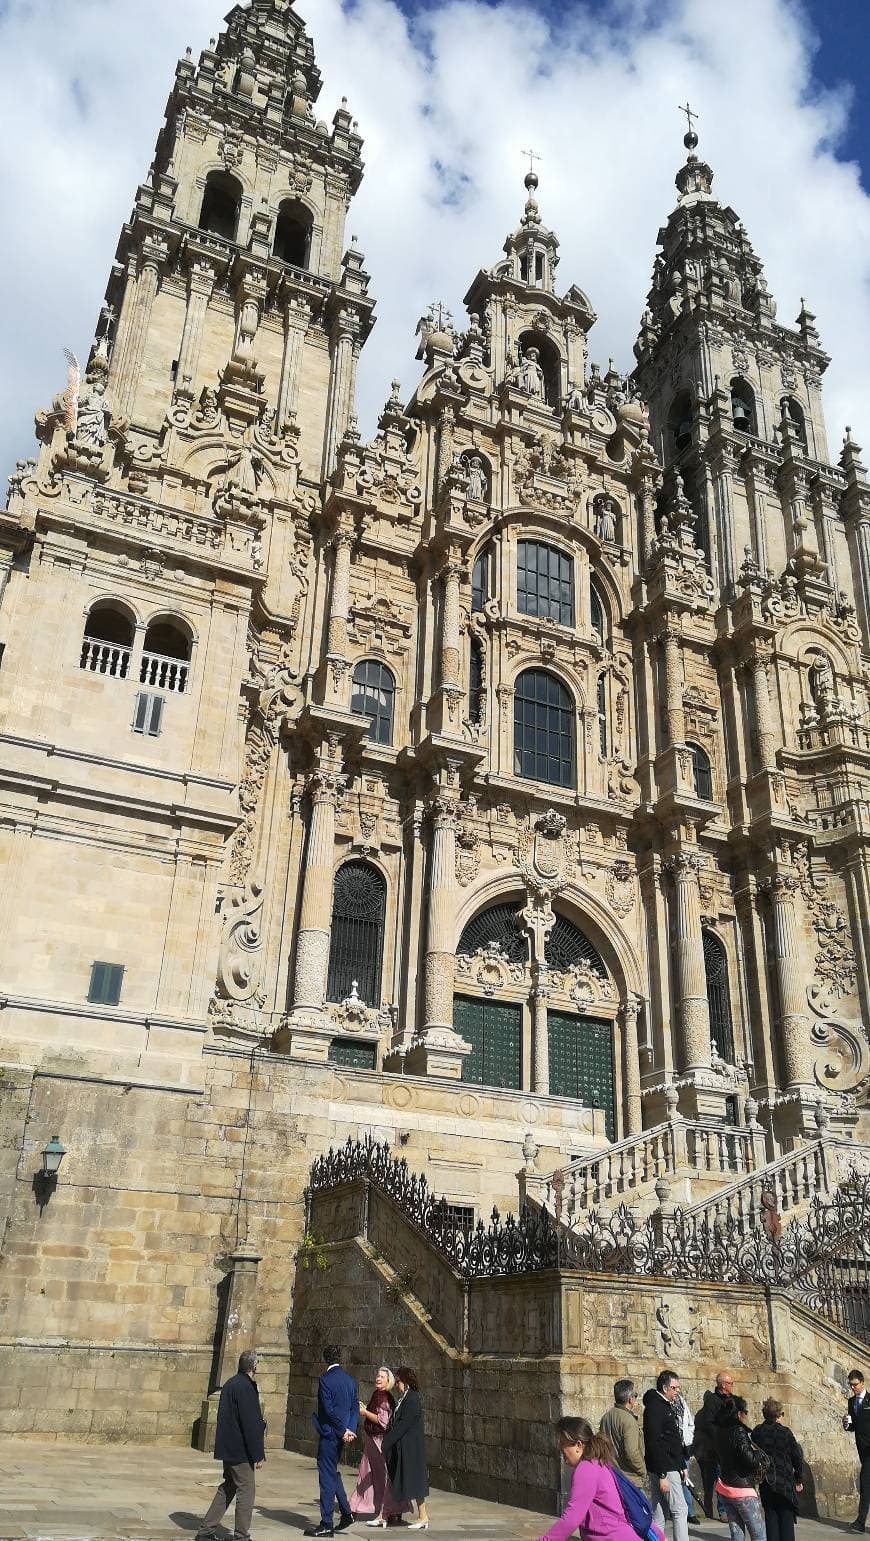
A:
[105, 658]
[164, 673]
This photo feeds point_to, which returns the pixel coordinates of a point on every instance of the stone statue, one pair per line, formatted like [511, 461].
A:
[477, 484]
[244, 472]
[528, 375]
[575, 400]
[822, 683]
[94, 415]
[605, 519]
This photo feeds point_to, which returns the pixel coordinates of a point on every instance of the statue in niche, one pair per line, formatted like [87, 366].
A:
[477, 482]
[528, 375]
[822, 683]
[605, 519]
[244, 472]
[94, 414]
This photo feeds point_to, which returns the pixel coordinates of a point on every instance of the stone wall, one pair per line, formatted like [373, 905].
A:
[535, 1346]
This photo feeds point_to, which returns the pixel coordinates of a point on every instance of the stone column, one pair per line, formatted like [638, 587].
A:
[860, 532]
[648, 516]
[312, 941]
[794, 1022]
[629, 1012]
[200, 286]
[444, 455]
[341, 375]
[339, 604]
[239, 1333]
[670, 640]
[296, 317]
[540, 1032]
[691, 979]
[127, 357]
[764, 729]
[438, 1049]
[451, 666]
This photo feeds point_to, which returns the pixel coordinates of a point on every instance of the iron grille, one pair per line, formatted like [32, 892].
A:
[545, 582]
[346, 1051]
[566, 945]
[374, 694]
[497, 924]
[719, 996]
[494, 1030]
[356, 942]
[581, 1063]
[543, 729]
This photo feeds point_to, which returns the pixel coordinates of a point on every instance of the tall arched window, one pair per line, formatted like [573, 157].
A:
[166, 657]
[356, 941]
[476, 690]
[545, 582]
[374, 696]
[602, 716]
[596, 613]
[107, 641]
[680, 421]
[221, 205]
[743, 406]
[543, 729]
[793, 413]
[293, 234]
[719, 996]
[702, 773]
[480, 589]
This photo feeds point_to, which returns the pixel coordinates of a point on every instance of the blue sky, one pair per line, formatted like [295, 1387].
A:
[447, 94]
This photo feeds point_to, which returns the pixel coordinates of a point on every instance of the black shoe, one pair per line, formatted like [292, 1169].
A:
[319, 1530]
[857, 1527]
[344, 1522]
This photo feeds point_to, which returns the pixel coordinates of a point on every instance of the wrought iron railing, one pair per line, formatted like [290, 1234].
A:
[822, 1260]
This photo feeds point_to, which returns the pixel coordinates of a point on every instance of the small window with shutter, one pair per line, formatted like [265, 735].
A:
[148, 715]
[106, 980]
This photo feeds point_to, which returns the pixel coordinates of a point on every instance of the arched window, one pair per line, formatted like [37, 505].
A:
[107, 641]
[596, 613]
[743, 406]
[545, 582]
[702, 773]
[356, 941]
[166, 657]
[719, 996]
[221, 205]
[543, 729]
[374, 696]
[793, 413]
[293, 234]
[476, 689]
[480, 590]
[550, 361]
[680, 421]
[602, 716]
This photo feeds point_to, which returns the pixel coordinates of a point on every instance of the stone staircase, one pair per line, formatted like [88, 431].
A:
[708, 1170]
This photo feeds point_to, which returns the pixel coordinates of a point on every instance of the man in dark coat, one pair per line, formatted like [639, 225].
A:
[704, 1447]
[335, 1421]
[239, 1444]
[857, 1421]
[665, 1456]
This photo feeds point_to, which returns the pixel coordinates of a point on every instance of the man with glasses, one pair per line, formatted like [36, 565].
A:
[621, 1424]
[857, 1422]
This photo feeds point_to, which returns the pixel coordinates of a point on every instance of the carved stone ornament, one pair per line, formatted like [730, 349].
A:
[620, 888]
[467, 855]
[842, 1063]
[239, 960]
[543, 854]
[488, 969]
[586, 987]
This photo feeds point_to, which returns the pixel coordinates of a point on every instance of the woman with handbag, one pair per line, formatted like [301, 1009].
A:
[741, 1467]
[783, 1481]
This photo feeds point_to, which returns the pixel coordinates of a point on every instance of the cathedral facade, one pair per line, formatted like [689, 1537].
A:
[508, 771]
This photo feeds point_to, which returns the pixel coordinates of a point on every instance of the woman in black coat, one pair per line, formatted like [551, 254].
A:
[782, 1481]
[404, 1448]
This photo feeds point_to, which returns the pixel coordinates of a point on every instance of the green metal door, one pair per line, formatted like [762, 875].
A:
[581, 1063]
[494, 1030]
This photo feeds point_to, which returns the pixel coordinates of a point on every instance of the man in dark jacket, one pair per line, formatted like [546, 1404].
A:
[857, 1421]
[239, 1444]
[664, 1455]
[704, 1447]
[335, 1421]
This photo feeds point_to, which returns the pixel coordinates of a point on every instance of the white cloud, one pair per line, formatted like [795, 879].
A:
[446, 108]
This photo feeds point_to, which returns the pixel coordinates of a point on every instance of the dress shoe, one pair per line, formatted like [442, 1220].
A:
[344, 1522]
[319, 1530]
[858, 1528]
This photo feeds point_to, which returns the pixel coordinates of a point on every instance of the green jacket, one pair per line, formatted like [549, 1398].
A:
[622, 1428]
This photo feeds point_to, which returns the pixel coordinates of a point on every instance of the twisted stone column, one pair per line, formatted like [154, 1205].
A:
[648, 516]
[440, 952]
[629, 1012]
[540, 1032]
[691, 979]
[444, 457]
[339, 602]
[794, 1022]
[200, 286]
[764, 729]
[670, 641]
[450, 624]
[312, 941]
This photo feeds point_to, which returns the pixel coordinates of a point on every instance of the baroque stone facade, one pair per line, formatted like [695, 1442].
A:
[505, 773]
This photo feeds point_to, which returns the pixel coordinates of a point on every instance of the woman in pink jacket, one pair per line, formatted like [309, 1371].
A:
[594, 1506]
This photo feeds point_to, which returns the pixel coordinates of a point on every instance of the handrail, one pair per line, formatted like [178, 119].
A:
[792, 1179]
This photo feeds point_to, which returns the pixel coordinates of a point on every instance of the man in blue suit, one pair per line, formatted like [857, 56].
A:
[335, 1421]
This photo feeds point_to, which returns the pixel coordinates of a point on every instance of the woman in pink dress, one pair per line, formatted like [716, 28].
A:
[372, 1492]
[594, 1506]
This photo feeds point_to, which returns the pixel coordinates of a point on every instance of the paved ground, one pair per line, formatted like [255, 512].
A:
[55, 1492]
